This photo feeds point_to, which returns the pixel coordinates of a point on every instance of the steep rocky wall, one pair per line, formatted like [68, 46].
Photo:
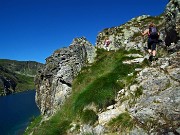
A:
[172, 19]
[53, 82]
[7, 86]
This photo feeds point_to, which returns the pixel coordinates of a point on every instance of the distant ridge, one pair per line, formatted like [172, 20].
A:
[17, 76]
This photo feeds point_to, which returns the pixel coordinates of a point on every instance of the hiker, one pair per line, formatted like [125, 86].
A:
[153, 36]
[106, 44]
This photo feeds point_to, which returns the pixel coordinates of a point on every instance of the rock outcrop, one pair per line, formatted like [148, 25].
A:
[7, 85]
[54, 81]
[158, 106]
[172, 25]
[128, 35]
[153, 101]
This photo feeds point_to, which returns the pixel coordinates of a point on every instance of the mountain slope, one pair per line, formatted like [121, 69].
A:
[120, 91]
[17, 76]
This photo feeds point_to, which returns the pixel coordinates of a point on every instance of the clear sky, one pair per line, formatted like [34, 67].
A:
[34, 29]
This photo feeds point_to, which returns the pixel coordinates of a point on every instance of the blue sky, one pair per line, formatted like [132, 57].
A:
[34, 29]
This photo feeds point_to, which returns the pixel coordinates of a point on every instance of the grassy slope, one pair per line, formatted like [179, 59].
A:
[96, 84]
[25, 83]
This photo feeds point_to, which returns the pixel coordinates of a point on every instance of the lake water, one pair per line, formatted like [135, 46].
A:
[16, 111]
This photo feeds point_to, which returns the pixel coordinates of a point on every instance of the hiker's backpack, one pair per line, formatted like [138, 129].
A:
[107, 42]
[153, 33]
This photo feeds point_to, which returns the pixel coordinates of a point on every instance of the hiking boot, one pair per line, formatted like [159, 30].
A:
[150, 58]
[154, 58]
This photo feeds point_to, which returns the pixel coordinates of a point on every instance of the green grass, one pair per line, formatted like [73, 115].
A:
[25, 83]
[103, 88]
[57, 125]
[34, 123]
[123, 122]
[53, 128]
[89, 116]
[138, 92]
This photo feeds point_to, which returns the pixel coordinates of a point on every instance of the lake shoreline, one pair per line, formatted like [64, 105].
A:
[17, 111]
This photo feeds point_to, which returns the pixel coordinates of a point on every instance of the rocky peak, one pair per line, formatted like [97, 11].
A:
[53, 82]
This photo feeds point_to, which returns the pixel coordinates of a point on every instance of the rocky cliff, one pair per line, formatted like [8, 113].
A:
[54, 81]
[146, 98]
[172, 25]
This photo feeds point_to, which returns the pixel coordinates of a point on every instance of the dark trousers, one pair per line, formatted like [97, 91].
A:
[152, 43]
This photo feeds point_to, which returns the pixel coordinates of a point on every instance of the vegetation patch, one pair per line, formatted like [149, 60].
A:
[138, 92]
[123, 122]
[89, 117]
[103, 87]
[25, 83]
[57, 125]
[34, 122]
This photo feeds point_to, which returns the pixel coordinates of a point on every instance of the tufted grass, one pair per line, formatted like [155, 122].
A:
[102, 77]
[123, 122]
[89, 117]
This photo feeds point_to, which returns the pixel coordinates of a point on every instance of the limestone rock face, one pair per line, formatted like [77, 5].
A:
[53, 82]
[172, 19]
[158, 107]
[128, 35]
[7, 85]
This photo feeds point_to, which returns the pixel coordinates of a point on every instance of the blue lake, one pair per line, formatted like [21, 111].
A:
[16, 111]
